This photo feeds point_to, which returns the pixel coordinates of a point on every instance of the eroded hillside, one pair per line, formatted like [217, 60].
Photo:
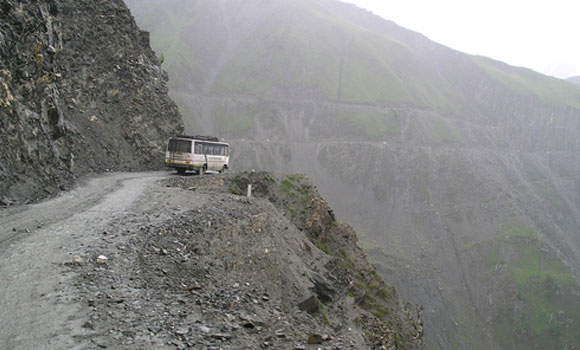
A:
[434, 156]
[203, 266]
[81, 92]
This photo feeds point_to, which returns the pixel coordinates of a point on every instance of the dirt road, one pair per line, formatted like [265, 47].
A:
[191, 264]
[38, 306]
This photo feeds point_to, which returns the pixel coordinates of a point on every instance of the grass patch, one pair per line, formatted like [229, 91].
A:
[371, 125]
[445, 133]
[518, 230]
[545, 313]
[324, 247]
[233, 123]
[526, 82]
[532, 267]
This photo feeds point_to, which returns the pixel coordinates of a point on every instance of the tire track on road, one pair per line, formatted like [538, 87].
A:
[39, 303]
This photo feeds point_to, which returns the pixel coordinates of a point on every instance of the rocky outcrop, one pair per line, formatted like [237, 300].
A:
[297, 252]
[81, 91]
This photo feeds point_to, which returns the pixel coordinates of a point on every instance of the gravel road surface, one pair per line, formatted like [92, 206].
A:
[189, 264]
[38, 303]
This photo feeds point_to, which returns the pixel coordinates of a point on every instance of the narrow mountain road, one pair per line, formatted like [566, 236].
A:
[38, 303]
[190, 264]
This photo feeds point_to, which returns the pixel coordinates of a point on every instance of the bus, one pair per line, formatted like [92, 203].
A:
[198, 153]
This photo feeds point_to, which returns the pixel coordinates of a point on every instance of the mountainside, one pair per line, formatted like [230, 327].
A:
[460, 172]
[575, 80]
[153, 260]
[284, 247]
[81, 91]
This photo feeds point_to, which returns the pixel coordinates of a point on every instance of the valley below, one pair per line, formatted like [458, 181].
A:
[472, 218]
[459, 172]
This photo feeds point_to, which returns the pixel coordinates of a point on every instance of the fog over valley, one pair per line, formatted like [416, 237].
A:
[286, 174]
[459, 172]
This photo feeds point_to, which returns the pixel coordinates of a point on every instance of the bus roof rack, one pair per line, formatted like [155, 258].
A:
[200, 137]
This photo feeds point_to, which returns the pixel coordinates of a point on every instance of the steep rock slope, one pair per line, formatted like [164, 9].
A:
[205, 267]
[461, 172]
[80, 91]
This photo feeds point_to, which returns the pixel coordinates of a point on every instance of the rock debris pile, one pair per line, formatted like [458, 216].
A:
[227, 272]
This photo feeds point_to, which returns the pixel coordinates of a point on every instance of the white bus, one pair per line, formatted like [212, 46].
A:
[199, 153]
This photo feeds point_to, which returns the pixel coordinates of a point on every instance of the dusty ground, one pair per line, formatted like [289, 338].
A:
[187, 267]
[40, 303]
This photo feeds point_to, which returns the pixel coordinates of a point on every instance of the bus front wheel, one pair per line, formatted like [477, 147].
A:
[180, 171]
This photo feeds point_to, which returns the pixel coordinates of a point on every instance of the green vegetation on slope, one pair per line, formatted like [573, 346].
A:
[234, 123]
[177, 28]
[371, 125]
[307, 49]
[527, 82]
[297, 198]
[540, 308]
[304, 51]
[285, 52]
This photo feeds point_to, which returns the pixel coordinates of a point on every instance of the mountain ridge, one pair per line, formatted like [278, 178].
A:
[255, 77]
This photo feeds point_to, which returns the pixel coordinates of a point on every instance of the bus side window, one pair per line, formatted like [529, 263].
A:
[198, 148]
[223, 150]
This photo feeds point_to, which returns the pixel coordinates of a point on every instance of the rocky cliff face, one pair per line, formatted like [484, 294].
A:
[81, 91]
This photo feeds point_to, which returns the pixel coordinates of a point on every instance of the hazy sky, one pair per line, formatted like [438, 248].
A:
[539, 34]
